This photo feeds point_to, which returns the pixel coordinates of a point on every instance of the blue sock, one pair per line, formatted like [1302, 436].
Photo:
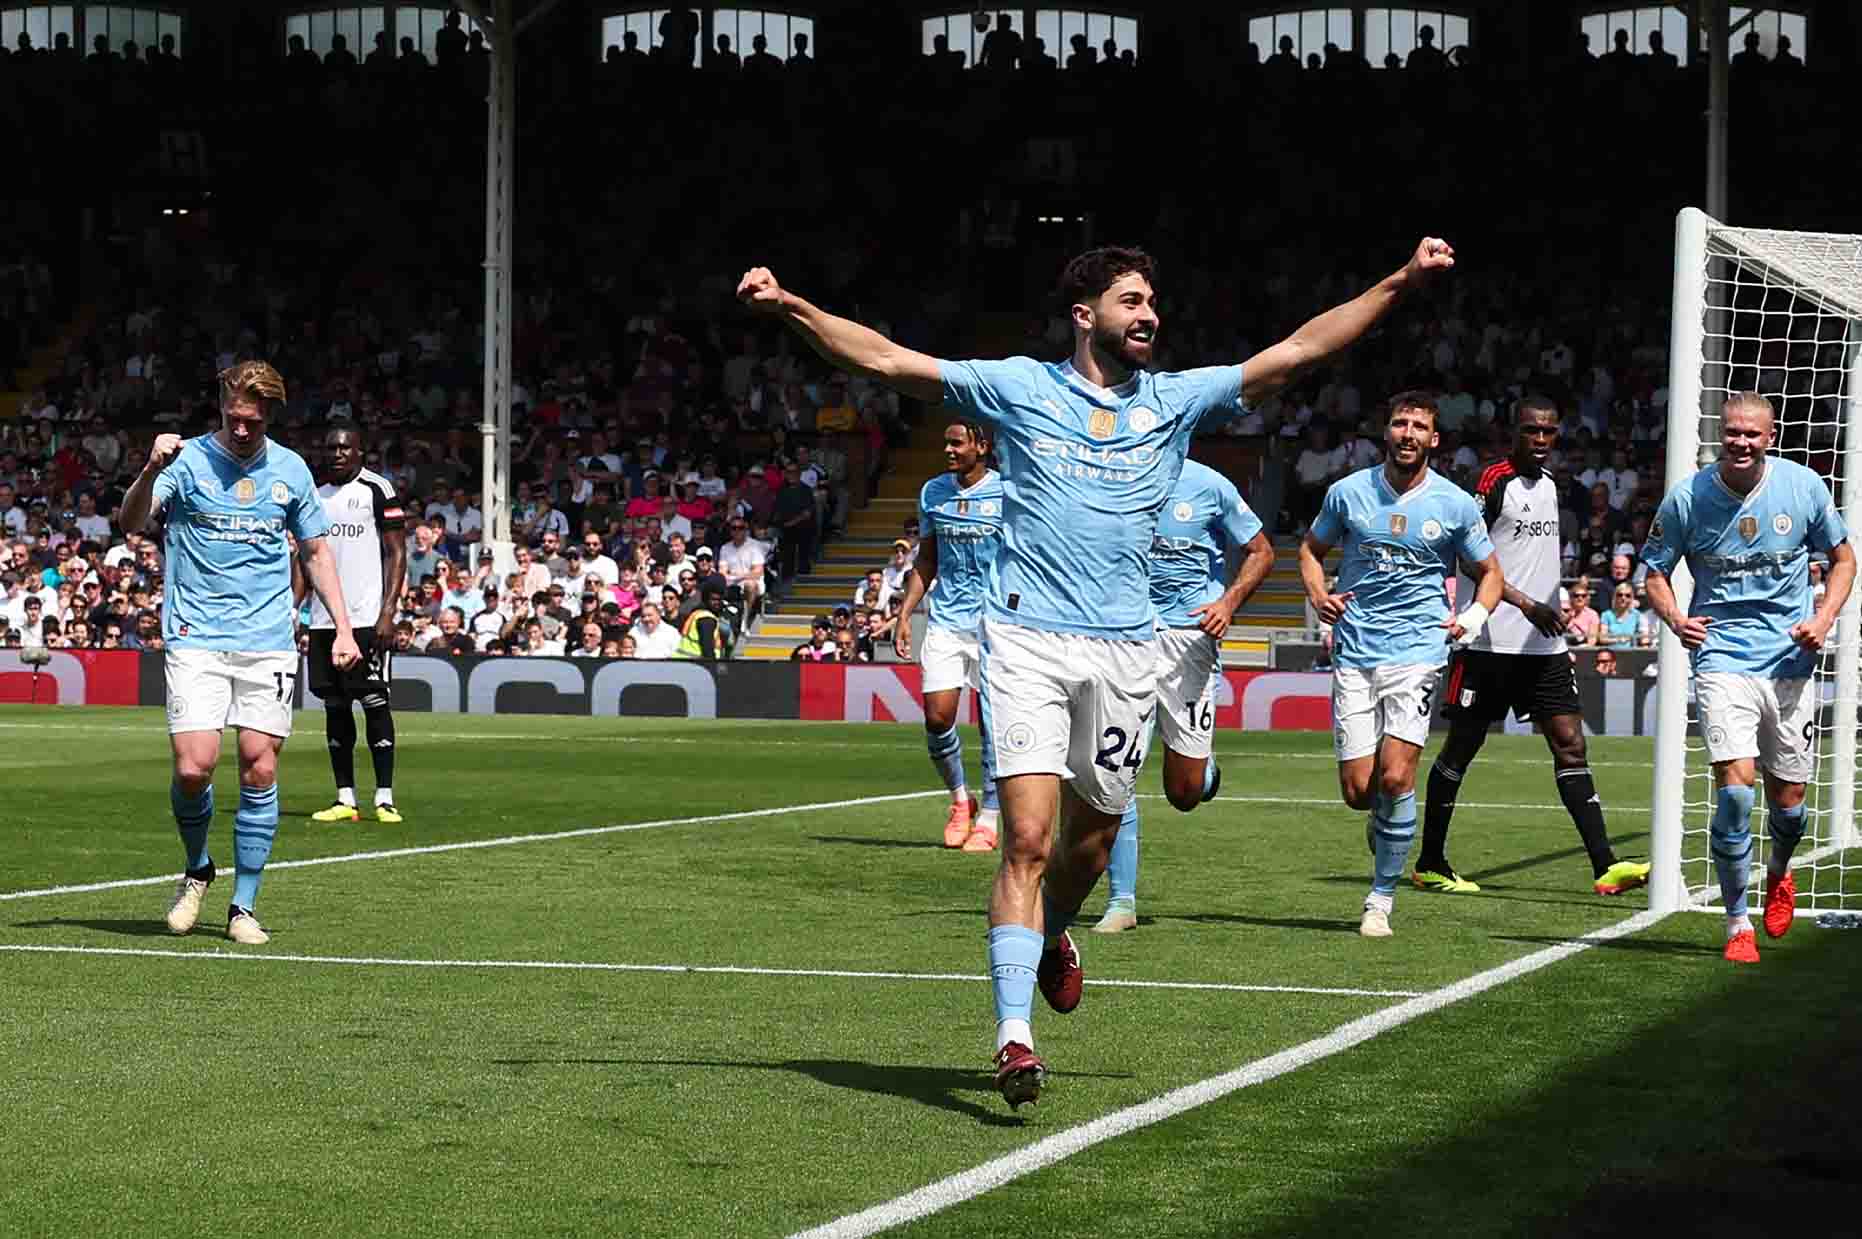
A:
[947, 755]
[1393, 826]
[990, 801]
[1731, 845]
[253, 828]
[1122, 873]
[193, 817]
[1208, 775]
[1054, 918]
[1787, 831]
[1014, 954]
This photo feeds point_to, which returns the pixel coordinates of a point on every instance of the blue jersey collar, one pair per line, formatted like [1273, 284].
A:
[1383, 483]
[1092, 391]
[243, 465]
[1735, 496]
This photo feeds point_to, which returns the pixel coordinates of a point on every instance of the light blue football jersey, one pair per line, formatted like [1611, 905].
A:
[1750, 558]
[1085, 472]
[968, 527]
[1205, 519]
[228, 578]
[1399, 562]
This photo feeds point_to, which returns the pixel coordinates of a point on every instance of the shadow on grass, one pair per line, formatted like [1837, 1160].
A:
[861, 842]
[946, 1088]
[1635, 946]
[1546, 858]
[152, 927]
[1264, 922]
[1738, 1110]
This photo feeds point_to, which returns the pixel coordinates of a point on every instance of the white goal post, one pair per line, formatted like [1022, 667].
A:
[1779, 313]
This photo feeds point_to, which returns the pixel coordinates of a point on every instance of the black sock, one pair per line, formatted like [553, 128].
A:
[380, 722]
[1579, 792]
[340, 725]
[1444, 786]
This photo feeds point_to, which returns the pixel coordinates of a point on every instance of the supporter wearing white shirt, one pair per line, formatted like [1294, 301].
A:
[653, 636]
[742, 561]
[1356, 452]
[463, 521]
[12, 513]
[1318, 463]
[595, 562]
[92, 526]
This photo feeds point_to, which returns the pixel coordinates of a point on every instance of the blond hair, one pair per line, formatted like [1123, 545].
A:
[1749, 400]
[253, 380]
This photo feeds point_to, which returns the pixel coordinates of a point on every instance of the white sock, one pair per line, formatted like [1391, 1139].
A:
[960, 794]
[1384, 903]
[346, 795]
[384, 795]
[1014, 1030]
[1736, 926]
[987, 819]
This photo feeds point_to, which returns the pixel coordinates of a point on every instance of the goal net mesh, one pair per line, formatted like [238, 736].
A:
[1782, 316]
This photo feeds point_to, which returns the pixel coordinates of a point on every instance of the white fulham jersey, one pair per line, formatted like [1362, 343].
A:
[1522, 520]
[360, 512]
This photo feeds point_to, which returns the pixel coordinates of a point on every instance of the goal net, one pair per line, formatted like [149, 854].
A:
[1779, 313]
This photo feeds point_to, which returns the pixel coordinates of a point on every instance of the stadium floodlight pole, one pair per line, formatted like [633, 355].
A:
[1686, 341]
[495, 19]
[1842, 830]
[1719, 42]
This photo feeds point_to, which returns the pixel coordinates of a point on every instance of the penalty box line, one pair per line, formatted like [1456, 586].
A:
[958, 1188]
[467, 845]
[542, 965]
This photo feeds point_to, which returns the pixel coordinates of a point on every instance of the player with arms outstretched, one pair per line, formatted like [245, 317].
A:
[1746, 526]
[1205, 526]
[369, 539]
[1520, 662]
[229, 499]
[1090, 450]
[960, 529]
[1404, 528]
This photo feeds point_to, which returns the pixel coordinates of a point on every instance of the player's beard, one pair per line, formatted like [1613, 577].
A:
[1113, 346]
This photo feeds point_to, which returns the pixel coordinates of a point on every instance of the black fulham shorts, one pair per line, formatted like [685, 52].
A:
[367, 678]
[1483, 686]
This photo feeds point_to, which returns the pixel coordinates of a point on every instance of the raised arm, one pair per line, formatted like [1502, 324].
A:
[917, 581]
[843, 342]
[1339, 327]
[139, 499]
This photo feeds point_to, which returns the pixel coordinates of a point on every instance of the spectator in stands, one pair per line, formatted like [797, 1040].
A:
[820, 644]
[590, 646]
[1580, 621]
[1605, 663]
[1751, 60]
[1317, 467]
[1622, 623]
[1785, 60]
[1660, 59]
[597, 562]
[1426, 56]
[847, 647]
[653, 637]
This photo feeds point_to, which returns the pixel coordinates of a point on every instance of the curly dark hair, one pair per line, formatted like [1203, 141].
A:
[1091, 273]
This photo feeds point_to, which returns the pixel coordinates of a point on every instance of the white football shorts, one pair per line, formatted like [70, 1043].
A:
[1370, 703]
[1069, 705]
[949, 659]
[1188, 662]
[1748, 716]
[209, 690]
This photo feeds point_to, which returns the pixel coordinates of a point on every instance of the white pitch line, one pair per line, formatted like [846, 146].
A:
[969, 1184]
[502, 841]
[544, 965]
[1334, 802]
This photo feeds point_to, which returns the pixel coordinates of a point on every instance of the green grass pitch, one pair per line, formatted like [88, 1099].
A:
[684, 1029]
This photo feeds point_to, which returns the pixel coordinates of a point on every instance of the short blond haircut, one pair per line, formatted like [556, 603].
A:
[1749, 400]
[253, 380]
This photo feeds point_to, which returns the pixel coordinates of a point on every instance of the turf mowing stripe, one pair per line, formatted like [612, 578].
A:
[504, 841]
[704, 969]
[956, 1189]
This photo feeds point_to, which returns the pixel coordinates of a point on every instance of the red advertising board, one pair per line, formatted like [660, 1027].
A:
[73, 678]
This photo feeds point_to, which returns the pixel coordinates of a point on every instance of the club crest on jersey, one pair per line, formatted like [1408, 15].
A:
[1431, 530]
[1182, 511]
[1101, 424]
[1143, 421]
[245, 490]
[1781, 524]
[1399, 524]
[281, 493]
[1749, 528]
[989, 507]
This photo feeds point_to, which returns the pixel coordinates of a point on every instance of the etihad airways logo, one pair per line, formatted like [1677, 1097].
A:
[237, 526]
[1084, 460]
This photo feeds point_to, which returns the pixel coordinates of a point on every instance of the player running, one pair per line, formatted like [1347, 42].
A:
[1204, 524]
[1090, 451]
[1404, 527]
[960, 528]
[1746, 525]
[1519, 661]
[229, 498]
[370, 545]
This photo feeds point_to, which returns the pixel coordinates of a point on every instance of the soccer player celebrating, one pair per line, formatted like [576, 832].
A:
[1403, 527]
[229, 499]
[1090, 450]
[1746, 526]
[1519, 662]
[370, 546]
[960, 518]
[1204, 524]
